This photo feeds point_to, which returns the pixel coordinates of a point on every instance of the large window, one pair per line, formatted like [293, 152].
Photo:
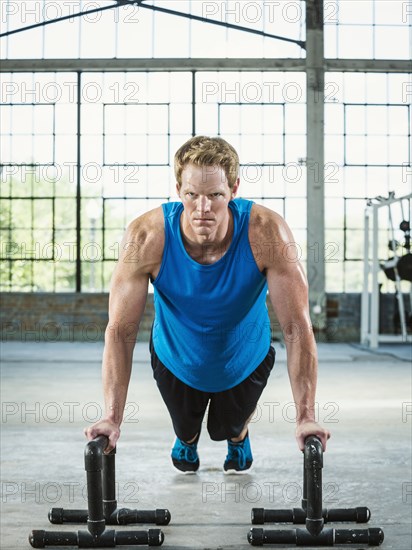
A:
[124, 129]
[83, 152]
[368, 148]
[366, 29]
[132, 31]
[38, 181]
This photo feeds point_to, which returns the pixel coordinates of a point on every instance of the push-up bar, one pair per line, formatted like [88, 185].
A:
[101, 510]
[312, 514]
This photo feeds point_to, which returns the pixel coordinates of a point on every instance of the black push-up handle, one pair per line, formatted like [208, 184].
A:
[101, 510]
[312, 514]
[112, 515]
[313, 460]
[93, 464]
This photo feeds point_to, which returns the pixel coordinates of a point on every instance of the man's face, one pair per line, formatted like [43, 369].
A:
[205, 194]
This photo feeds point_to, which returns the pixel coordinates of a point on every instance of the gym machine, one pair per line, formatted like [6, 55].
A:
[312, 514]
[398, 268]
[102, 510]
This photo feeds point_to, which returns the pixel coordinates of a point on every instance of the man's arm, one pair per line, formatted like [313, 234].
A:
[288, 291]
[140, 257]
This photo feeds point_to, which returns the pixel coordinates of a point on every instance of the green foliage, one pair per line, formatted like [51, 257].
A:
[38, 238]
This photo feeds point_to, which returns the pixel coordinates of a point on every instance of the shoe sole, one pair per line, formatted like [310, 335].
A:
[188, 472]
[237, 472]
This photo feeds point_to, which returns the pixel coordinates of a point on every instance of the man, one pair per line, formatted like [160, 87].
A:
[211, 259]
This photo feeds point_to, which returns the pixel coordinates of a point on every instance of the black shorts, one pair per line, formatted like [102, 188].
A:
[228, 410]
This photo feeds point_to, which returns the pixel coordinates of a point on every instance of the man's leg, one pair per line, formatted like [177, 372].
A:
[187, 408]
[243, 433]
[231, 411]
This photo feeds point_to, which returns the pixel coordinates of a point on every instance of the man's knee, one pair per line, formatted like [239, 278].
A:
[188, 434]
[222, 432]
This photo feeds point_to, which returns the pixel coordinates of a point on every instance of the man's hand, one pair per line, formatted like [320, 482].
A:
[104, 427]
[310, 427]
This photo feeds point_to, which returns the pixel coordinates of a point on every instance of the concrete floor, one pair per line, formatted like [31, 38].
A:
[51, 391]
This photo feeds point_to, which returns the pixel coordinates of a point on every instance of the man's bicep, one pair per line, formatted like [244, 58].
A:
[127, 299]
[139, 254]
[288, 292]
[287, 283]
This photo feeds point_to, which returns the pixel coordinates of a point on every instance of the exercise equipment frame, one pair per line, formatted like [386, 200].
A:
[102, 510]
[312, 514]
[370, 298]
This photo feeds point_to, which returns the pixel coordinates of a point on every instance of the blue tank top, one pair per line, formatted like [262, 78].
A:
[211, 327]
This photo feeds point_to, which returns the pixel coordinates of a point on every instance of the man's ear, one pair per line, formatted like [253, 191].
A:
[177, 189]
[235, 188]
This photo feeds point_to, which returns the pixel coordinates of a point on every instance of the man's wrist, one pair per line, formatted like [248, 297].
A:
[305, 413]
[113, 413]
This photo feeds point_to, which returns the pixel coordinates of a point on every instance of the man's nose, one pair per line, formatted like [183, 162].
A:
[203, 204]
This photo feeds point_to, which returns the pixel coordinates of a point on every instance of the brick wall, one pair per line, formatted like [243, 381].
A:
[83, 317]
[53, 317]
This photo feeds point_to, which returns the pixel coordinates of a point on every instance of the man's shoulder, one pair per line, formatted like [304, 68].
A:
[265, 222]
[272, 239]
[147, 232]
[147, 223]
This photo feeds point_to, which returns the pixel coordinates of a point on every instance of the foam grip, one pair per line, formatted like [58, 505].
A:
[41, 539]
[60, 515]
[262, 515]
[125, 516]
[359, 515]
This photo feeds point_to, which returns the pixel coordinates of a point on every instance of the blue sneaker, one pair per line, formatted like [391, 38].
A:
[185, 457]
[239, 457]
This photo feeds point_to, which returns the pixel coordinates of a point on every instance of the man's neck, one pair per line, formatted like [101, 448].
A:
[208, 248]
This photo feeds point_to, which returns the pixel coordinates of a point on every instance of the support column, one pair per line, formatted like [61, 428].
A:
[315, 76]
[79, 186]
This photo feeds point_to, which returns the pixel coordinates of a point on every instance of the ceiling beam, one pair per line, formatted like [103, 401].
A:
[201, 64]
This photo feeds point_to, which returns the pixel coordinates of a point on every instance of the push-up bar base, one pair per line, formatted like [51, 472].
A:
[328, 537]
[108, 539]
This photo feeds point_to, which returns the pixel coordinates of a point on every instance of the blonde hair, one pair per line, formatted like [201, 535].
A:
[207, 151]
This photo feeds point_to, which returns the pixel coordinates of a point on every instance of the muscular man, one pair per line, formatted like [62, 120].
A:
[211, 259]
